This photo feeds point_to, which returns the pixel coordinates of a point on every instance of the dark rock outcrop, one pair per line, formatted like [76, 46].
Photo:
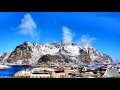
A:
[51, 58]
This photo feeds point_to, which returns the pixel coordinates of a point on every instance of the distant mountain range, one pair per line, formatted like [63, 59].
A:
[55, 53]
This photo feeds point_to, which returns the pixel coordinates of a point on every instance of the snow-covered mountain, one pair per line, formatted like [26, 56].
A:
[4, 56]
[57, 53]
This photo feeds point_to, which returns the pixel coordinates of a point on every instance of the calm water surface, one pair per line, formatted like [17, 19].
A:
[11, 71]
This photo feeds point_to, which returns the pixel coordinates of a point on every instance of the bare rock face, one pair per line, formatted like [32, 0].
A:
[21, 52]
[85, 59]
[51, 58]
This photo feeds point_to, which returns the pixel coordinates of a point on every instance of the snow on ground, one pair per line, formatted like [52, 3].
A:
[23, 73]
[73, 50]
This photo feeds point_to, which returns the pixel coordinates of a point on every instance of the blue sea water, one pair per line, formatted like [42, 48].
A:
[9, 72]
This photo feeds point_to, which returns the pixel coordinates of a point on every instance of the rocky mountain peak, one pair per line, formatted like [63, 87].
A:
[70, 52]
[26, 43]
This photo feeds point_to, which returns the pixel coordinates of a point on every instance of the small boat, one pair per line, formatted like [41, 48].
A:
[2, 67]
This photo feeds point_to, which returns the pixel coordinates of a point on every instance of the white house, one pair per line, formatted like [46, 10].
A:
[111, 72]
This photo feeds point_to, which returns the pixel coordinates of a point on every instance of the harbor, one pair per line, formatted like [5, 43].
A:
[73, 71]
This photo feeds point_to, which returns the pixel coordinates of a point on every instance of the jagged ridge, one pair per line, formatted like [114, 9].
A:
[57, 53]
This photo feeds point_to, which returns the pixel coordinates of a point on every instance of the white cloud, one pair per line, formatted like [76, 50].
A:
[67, 35]
[85, 40]
[28, 26]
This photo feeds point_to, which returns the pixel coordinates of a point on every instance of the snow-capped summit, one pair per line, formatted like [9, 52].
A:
[56, 53]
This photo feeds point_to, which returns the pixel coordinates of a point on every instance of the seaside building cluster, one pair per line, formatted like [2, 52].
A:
[72, 71]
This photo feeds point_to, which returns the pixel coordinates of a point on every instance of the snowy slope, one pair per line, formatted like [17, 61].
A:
[4, 56]
[71, 50]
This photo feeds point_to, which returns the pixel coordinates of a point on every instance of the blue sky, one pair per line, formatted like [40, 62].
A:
[101, 29]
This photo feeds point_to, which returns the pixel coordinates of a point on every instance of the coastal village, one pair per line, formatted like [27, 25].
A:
[72, 71]
[59, 45]
[59, 61]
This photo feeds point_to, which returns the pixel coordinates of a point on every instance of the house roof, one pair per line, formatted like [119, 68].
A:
[113, 72]
[93, 67]
[59, 71]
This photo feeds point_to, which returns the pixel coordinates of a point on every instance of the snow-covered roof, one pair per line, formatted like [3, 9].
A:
[113, 72]
[49, 69]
